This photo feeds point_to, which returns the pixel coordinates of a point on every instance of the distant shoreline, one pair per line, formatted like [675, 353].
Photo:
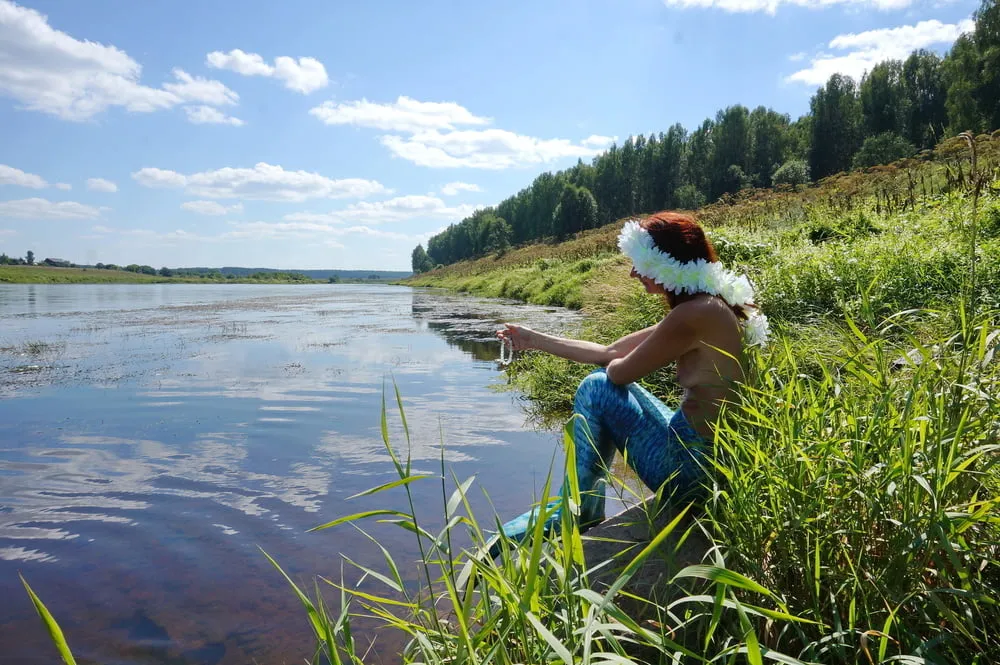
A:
[54, 275]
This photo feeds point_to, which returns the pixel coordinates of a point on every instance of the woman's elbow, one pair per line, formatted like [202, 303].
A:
[615, 373]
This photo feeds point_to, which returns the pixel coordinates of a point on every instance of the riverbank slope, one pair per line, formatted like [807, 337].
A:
[836, 481]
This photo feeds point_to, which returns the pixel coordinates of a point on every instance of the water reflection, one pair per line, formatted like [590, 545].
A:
[172, 430]
[470, 323]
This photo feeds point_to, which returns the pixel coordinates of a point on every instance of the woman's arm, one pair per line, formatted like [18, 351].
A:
[576, 350]
[678, 333]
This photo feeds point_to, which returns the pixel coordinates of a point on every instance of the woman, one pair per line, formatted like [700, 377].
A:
[711, 317]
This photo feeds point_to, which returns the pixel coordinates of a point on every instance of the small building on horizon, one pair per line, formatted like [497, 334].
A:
[57, 263]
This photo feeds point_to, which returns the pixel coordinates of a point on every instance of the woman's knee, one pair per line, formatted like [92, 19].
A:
[595, 388]
[593, 382]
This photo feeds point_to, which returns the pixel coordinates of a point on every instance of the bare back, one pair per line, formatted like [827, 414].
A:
[708, 372]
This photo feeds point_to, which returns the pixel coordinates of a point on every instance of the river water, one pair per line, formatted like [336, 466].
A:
[154, 437]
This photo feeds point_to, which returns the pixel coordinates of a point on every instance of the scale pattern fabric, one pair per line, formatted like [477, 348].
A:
[658, 443]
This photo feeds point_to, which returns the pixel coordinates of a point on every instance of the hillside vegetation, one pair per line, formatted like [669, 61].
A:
[856, 481]
[898, 109]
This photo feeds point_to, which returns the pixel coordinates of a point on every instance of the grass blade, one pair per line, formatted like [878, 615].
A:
[55, 632]
[355, 517]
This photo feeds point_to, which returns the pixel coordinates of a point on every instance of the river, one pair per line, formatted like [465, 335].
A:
[153, 437]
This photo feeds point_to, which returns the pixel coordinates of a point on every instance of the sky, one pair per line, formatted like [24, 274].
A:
[316, 135]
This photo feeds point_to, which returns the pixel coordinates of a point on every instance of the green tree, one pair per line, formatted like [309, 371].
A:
[961, 71]
[668, 171]
[690, 197]
[884, 102]
[731, 147]
[30, 258]
[166, 272]
[768, 144]
[987, 40]
[496, 235]
[419, 260]
[836, 126]
[699, 156]
[794, 172]
[885, 148]
[607, 169]
[924, 85]
[799, 138]
[576, 211]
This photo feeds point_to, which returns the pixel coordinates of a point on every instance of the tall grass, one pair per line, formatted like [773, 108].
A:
[536, 602]
[866, 492]
[853, 519]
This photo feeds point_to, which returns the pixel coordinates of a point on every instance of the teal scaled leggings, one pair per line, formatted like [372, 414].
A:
[658, 443]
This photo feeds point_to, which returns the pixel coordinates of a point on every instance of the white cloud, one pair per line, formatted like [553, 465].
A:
[304, 75]
[481, 149]
[7, 232]
[149, 237]
[797, 57]
[50, 71]
[200, 90]
[436, 137]
[11, 176]
[211, 208]
[305, 230]
[866, 49]
[154, 177]
[453, 188]
[771, 6]
[396, 209]
[44, 209]
[206, 115]
[101, 185]
[248, 64]
[263, 182]
[315, 233]
[598, 141]
[403, 115]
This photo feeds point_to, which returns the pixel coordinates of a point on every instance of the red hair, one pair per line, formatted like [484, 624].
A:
[679, 236]
[682, 237]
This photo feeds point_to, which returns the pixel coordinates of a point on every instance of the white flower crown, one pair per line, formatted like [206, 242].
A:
[698, 276]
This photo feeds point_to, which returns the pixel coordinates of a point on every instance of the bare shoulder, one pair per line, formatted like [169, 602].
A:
[699, 313]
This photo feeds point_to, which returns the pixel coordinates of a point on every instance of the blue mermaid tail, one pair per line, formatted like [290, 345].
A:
[658, 443]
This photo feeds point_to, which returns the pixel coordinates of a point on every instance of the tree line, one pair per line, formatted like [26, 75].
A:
[28, 260]
[897, 109]
[203, 273]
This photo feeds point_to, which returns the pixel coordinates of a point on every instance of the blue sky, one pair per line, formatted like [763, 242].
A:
[314, 134]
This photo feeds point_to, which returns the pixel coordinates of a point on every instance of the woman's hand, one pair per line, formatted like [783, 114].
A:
[520, 338]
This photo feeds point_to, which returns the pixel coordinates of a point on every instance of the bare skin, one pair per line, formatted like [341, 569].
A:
[702, 335]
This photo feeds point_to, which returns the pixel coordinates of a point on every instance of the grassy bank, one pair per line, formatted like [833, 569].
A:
[50, 275]
[891, 239]
[856, 486]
